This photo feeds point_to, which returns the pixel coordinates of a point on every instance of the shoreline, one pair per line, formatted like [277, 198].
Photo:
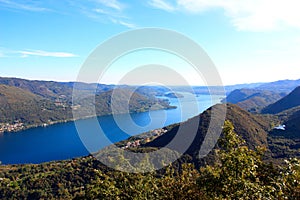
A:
[27, 127]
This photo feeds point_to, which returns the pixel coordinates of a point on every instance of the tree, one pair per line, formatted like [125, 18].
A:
[236, 174]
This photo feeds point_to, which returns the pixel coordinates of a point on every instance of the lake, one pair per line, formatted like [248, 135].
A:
[61, 141]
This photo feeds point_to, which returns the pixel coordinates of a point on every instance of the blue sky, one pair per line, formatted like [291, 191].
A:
[248, 40]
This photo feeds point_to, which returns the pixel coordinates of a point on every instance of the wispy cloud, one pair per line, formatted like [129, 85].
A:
[111, 4]
[101, 10]
[4, 52]
[46, 54]
[123, 23]
[246, 15]
[104, 11]
[22, 5]
[161, 4]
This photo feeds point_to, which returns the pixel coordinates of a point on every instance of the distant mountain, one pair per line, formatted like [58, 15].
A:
[280, 86]
[253, 99]
[230, 88]
[289, 101]
[252, 128]
[199, 90]
[64, 90]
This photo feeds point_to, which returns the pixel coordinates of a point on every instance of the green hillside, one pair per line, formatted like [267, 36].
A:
[47, 89]
[23, 108]
[289, 101]
[253, 129]
[28, 108]
[286, 143]
[63, 90]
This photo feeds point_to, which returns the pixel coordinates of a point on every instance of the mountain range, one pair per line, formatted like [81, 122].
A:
[254, 98]
[39, 102]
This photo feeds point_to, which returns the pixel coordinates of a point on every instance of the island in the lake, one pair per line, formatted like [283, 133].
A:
[174, 95]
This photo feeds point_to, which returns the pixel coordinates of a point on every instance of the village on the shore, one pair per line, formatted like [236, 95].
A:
[137, 142]
[7, 127]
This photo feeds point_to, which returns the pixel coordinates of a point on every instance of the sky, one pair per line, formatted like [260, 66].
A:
[248, 40]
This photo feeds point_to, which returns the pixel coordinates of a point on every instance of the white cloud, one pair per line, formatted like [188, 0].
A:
[101, 11]
[250, 15]
[45, 54]
[161, 4]
[4, 52]
[123, 23]
[21, 5]
[105, 11]
[128, 25]
[111, 4]
[115, 15]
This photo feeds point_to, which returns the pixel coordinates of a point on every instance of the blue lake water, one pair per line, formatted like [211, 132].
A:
[62, 141]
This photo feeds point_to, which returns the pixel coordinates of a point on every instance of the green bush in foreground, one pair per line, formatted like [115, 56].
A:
[240, 173]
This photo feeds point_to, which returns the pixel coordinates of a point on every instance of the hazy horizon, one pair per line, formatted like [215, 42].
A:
[70, 81]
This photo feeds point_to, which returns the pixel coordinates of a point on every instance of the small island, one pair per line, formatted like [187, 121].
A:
[174, 95]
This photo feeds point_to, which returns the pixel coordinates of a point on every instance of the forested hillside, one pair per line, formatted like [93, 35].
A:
[252, 128]
[23, 106]
[26, 103]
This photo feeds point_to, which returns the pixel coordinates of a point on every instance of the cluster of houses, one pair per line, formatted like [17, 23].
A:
[135, 143]
[158, 132]
[61, 101]
[6, 127]
[153, 134]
